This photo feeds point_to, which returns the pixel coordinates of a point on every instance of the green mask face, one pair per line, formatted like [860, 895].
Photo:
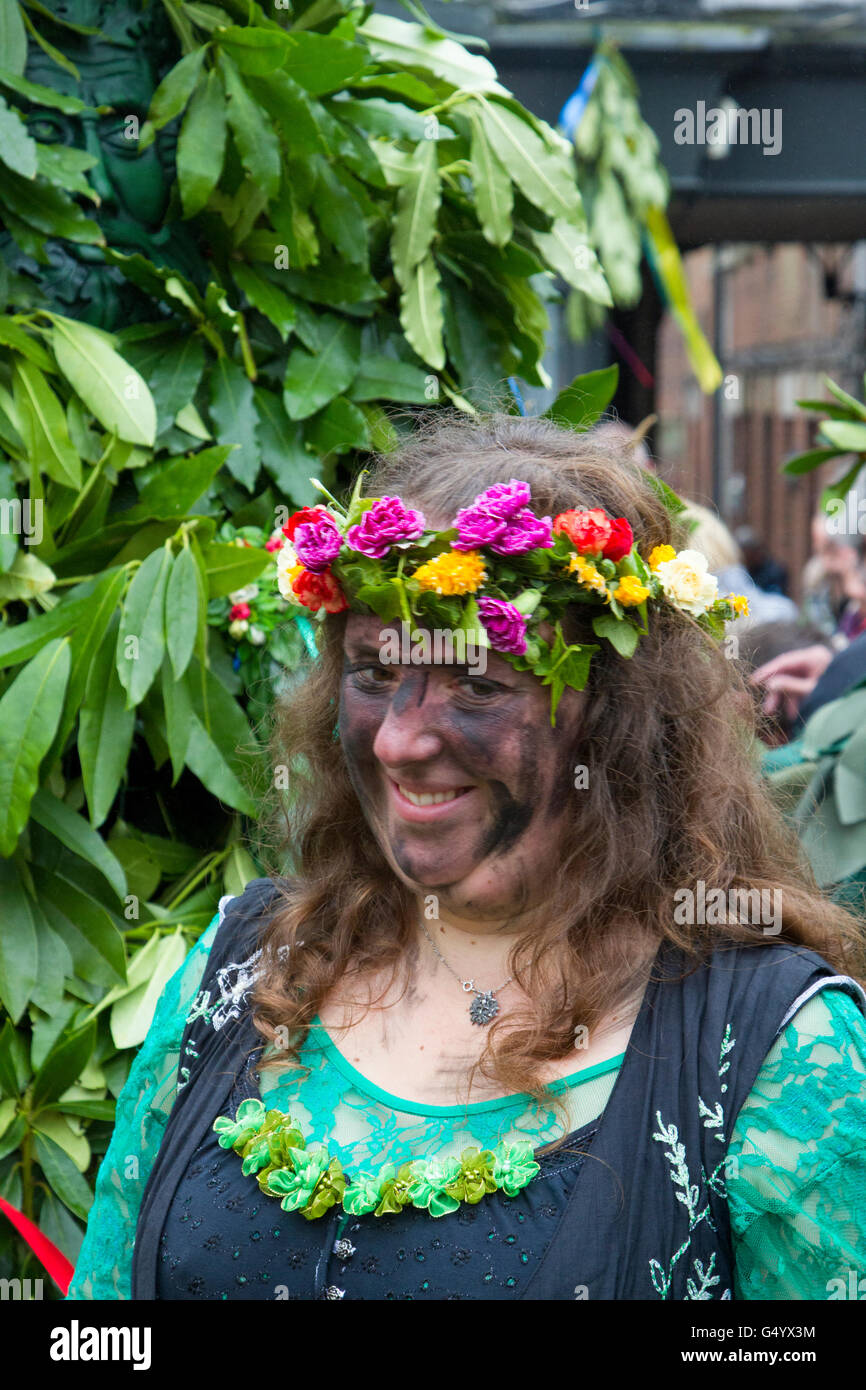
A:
[119, 68]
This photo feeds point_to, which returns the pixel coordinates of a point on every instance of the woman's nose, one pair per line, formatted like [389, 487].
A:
[409, 731]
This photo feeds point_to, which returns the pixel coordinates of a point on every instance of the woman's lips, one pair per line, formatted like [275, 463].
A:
[442, 803]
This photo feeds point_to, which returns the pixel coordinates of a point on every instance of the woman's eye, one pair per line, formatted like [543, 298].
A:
[477, 689]
[373, 675]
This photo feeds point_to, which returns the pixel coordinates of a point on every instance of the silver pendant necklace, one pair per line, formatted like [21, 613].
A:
[485, 1005]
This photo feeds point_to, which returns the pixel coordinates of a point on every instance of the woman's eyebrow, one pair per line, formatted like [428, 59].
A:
[363, 647]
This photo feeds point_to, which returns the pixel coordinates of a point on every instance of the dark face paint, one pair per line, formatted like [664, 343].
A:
[430, 729]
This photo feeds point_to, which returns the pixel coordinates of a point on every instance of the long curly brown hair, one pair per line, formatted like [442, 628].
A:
[675, 793]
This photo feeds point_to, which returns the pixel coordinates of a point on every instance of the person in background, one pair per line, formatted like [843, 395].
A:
[761, 647]
[712, 538]
[767, 572]
[799, 682]
[827, 573]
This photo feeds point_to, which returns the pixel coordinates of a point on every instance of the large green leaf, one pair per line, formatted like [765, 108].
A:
[17, 148]
[63, 1066]
[566, 249]
[18, 948]
[63, 1177]
[282, 449]
[835, 851]
[13, 38]
[384, 378]
[86, 639]
[836, 720]
[234, 419]
[421, 312]
[264, 296]
[132, 1015]
[25, 578]
[85, 925]
[231, 567]
[339, 427]
[256, 139]
[491, 182]
[176, 88]
[846, 435]
[141, 635]
[418, 201]
[201, 146]
[30, 711]
[312, 380]
[172, 367]
[43, 425]
[115, 392]
[77, 834]
[321, 63]
[811, 459]
[180, 482]
[105, 731]
[181, 611]
[580, 404]
[544, 175]
[396, 43]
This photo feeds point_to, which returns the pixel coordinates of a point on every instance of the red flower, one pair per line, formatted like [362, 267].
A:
[594, 533]
[301, 518]
[588, 531]
[239, 611]
[317, 591]
[621, 539]
[274, 544]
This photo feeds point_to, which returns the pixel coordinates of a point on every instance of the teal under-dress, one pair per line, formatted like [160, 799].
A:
[795, 1168]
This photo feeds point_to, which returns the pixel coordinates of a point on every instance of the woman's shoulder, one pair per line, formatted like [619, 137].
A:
[235, 951]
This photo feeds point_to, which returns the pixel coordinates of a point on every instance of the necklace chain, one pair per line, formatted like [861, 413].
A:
[468, 985]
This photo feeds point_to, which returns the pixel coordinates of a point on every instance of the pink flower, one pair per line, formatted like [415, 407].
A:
[500, 520]
[317, 542]
[388, 522]
[504, 624]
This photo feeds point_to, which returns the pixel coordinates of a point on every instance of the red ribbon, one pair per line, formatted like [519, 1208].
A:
[46, 1252]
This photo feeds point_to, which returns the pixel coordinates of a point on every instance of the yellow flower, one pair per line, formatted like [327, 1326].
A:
[741, 604]
[454, 572]
[659, 554]
[587, 574]
[630, 591]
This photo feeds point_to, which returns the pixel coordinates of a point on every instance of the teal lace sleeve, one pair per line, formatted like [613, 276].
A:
[104, 1268]
[796, 1164]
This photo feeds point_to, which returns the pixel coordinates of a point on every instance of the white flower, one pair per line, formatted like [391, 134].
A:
[249, 591]
[256, 636]
[238, 627]
[286, 561]
[686, 582]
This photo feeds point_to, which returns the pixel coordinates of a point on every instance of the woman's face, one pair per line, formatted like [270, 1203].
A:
[409, 731]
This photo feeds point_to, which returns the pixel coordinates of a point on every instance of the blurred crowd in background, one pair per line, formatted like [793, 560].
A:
[797, 656]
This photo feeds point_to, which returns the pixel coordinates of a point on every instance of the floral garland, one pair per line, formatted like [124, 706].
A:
[498, 572]
[273, 1149]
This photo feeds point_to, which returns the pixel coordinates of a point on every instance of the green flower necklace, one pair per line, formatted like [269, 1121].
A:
[309, 1180]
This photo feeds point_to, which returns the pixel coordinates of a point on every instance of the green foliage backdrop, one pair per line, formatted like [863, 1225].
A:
[376, 221]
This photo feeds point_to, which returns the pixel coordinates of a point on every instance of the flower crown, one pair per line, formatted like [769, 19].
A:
[496, 574]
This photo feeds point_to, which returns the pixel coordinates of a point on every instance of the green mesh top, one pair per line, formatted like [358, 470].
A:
[795, 1169]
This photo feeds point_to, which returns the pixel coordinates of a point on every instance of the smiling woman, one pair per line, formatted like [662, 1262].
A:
[473, 1000]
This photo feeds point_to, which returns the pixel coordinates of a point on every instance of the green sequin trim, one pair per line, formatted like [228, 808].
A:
[273, 1149]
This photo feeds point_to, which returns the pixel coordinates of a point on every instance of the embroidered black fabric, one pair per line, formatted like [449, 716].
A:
[224, 1239]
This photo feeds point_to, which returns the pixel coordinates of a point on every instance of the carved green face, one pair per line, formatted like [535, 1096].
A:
[133, 187]
[118, 71]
